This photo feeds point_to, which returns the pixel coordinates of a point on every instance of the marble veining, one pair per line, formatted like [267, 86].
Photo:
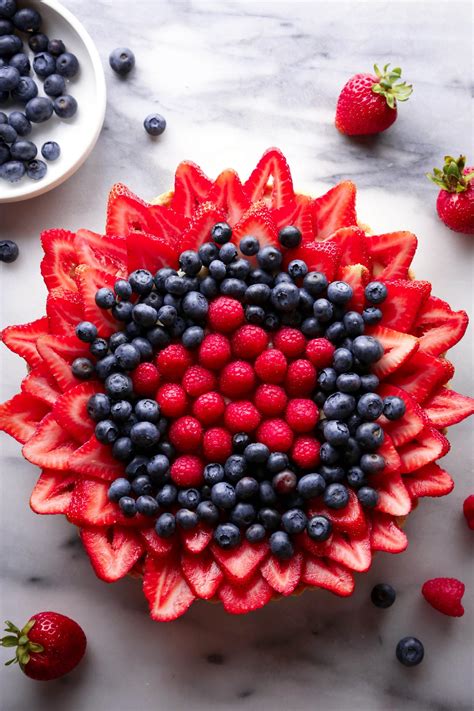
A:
[233, 78]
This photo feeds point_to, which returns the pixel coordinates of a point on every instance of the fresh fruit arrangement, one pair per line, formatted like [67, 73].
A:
[236, 393]
[455, 203]
[53, 65]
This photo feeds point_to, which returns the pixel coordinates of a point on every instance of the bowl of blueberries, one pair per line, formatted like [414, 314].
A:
[49, 70]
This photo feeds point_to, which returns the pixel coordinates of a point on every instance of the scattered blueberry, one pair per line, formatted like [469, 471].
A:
[410, 651]
[122, 60]
[154, 124]
[8, 251]
[383, 595]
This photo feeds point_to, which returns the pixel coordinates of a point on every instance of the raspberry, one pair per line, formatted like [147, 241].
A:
[270, 399]
[271, 366]
[172, 400]
[300, 378]
[241, 416]
[214, 351]
[186, 434]
[249, 341]
[301, 415]
[187, 471]
[290, 342]
[146, 379]
[445, 594]
[468, 510]
[276, 435]
[217, 444]
[320, 352]
[237, 379]
[305, 452]
[198, 380]
[225, 314]
[173, 361]
[209, 408]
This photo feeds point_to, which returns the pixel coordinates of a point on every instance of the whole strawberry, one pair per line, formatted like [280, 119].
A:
[368, 103]
[47, 647]
[455, 203]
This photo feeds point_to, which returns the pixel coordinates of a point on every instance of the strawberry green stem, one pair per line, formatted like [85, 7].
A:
[387, 85]
[452, 178]
[19, 639]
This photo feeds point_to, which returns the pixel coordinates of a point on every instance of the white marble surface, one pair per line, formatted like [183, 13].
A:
[233, 78]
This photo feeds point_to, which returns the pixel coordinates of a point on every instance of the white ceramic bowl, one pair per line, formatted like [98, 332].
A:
[76, 136]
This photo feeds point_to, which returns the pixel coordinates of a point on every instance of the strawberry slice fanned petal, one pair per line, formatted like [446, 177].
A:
[53, 492]
[240, 564]
[430, 480]
[21, 415]
[283, 575]
[191, 186]
[298, 215]
[354, 553]
[427, 446]
[357, 276]
[154, 544]
[228, 195]
[60, 259]
[93, 459]
[447, 407]
[385, 535]
[240, 599]
[319, 256]
[199, 230]
[89, 281]
[407, 427]
[420, 375]
[166, 589]
[271, 168]
[393, 495]
[327, 574]
[403, 302]
[202, 574]
[40, 385]
[334, 209]
[50, 446]
[126, 211]
[351, 242]
[58, 353]
[107, 253]
[22, 339]
[392, 254]
[196, 540]
[257, 221]
[438, 327]
[398, 349]
[147, 251]
[112, 551]
[70, 410]
[90, 506]
[64, 310]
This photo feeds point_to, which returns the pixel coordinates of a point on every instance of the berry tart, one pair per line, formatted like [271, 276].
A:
[236, 393]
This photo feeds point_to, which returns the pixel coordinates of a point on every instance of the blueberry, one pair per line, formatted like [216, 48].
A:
[144, 434]
[369, 435]
[21, 62]
[329, 454]
[165, 525]
[306, 301]
[137, 467]
[383, 595]
[227, 535]
[141, 282]
[10, 45]
[39, 109]
[294, 521]
[336, 496]
[259, 276]
[118, 488]
[44, 64]
[8, 251]
[104, 297]
[190, 262]
[67, 65]
[323, 310]
[311, 485]
[86, 331]
[284, 482]
[367, 349]
[7, 8]
[376, 292]
[106, 431]
[255, 315]
[353, 423]
[54, 85]
[118, 386]
[269, 258]
[123, 449]
[319, 528]
[339, 405]
[56, 47]
[20, 123]
[410, 651]
[105, 366]
[122, 60]
[370, 406]
[339, 292]
[6, 26]
[26, 90]
[158, 467]
[335, 332]
[175, 285]
[167, 495]
[256, 453]
[192, 337]
[195, 306]
[3, 117]
[38, 42]
[368, 496]
[123, 289]
[246, 488]
[234, 287]
[249, 246]
[208, 251]
[342, 360]
[127, 506]
[221, 233]
[126, 427]
[208, 512]
[154, 124]
[371, 315]
[65, 106]
[348, 383]
[311, 327]
[178, 328]
[336, 432]
[235, 467]
[27, 20]
[82, 368]
[353, 323]
[277, 462]
[147, 505]
[147, 410]
[189, 498]
[36, 169]
[356, 477]
[297, 269]
[269, 518]
[332, 474]
[23, 150]
[258, 294]
[393, 407]
[7, 133]
[255, 533]
[158, 337]
[240, 441]
[117, 339]
[289, 236]
[141, 485]
[285, 297]
[144, 315]
[243, 514]
[223, 495]
[369, 382]
[281, 546]
[98, 406]
[227, 253]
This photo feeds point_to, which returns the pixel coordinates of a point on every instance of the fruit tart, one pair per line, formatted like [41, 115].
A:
[237, 392]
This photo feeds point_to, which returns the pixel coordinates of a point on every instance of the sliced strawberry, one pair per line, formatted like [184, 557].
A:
[126, 211]
[351, 242]
[334, 209]
[446, 407]
[257, 222]
[39, 384]
[283, 575]
[165, 588]
[64, 310]
[398, 348]
[202, 573]
[320, 550]
[191, 186]
[94, 459]
[52, 493]
[240, 564]
[350, 519]
[146, 251]
[393, 496]
[60, 259]
[89, 281]
[273, 167]
[357, 276]
[430, 480]
[385, 535]
[49, 446]
[428, 446]
[199, 230]
[393, 462]
[228, 195]
[403, 302]
[107, 253]
[20, 416]
[420, 375]
[329, 575]
[169, 224]
[22, 339]
[70, 411]
[319, 256]
[58, 352]
[354, 553]
[438, 327]
[154, 544]
[407, 427]
[238, 600]
[299, 215]
[112, 551]
[90, 506]
[391, 254]
[198, 539]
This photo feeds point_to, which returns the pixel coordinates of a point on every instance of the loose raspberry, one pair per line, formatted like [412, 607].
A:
[290, 342]
[271, 366]
[172, 400]
[445, 594]
[145, 379]
[173, 361]
[270, 399]
[237, 379]
[214, 351]
[249, 341]
[187, 471]
[225, 314]
[209, 408]
[305, 452]
[241, 416]
[198, 380]
[217, 444]
[301, 414]
[320, 352]
[276, 435]
[468, 509]
[300, 378]
[186, 434]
